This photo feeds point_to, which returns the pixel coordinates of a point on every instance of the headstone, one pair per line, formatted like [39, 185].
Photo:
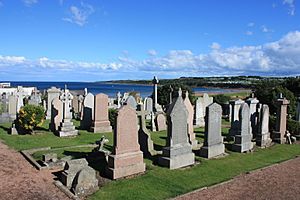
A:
[148, 103]
[132, 102]
[75, 104]
[298, 110]
[126, 158]
[80, 107]
[35, 98]
[252, 103]
[155, 104]
[160, 122]
[235, 121]
[178, 151]
[56, 114]
[242, 139]
[199, 113]
[263, 136]
[66, 127]
[88, 112]
[71, 168]
[213, 140]
[152, 122]
[13, 130]
[280, 129]
[145, 141]
[119, 98]
[20, 94]
[12, 107]
[52, 93]
[190, 120]
[101, 122]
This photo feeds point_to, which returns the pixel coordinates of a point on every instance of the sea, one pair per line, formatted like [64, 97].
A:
[110, 89]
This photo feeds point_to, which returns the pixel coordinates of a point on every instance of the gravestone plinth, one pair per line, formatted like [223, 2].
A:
[213, 140]
[126, 158]
[280, 129]
[101, 123]
[243, 137]
[178, 151]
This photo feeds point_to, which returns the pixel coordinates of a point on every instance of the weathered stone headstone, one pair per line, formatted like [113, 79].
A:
[280, 129]
[178, 151]
[20, 94]
[160, 122]
[12, 107]
[213, 140]
[235, 120]
[145, 141]
[126, 158]
[242, 139]
[52, 93]
[252, 103]
[66, 127]
[152, 122]
[88, 112]
[148, 104]
[101, 122]
[131, 101]
[75, 104]
[56, 114]
[199, 113]
[263, 136]
[190, 120]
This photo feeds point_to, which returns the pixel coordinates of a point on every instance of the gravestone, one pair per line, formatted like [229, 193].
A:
[119, 99]
[148, 103]
[52, 93]
[80, 107]
[126, 158]
[152, 122]
[190, 120]
[199, 113]
[178, 151]
[35, 98]
[75, 104]
[66, 127]
[242, 139]
[85, 182]
[145, 141]
[160, 122]
[12, 107]
[235, 121]
[213, 140]
[131, 101]
[253, 103]
[263, 136]
[56, 114]
[20, 95]
[155, 104]
[298, 110]
[88, 112]
[101, 122]
[280, 129]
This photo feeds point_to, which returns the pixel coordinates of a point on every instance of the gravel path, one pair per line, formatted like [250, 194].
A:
[19, 180]
[281, 181]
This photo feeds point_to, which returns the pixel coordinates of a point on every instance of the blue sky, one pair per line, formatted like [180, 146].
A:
[94, 40]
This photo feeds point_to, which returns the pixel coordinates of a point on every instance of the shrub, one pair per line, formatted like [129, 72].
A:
[292, 126]
[112, 116]
[31, 116]
[221, 99]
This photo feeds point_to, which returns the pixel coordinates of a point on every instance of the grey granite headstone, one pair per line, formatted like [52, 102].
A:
[52, 93]
[178, 151]
[263, 136]
[148, 104]
[213, 140]
[199, 113]
[132, 102]
[235, 120]
[252, 103]
[242, 139]
[12, 107]
[88, 112]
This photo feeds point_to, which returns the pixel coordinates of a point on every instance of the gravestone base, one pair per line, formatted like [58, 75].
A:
[242, 143]
[212, 151]
[278, 137]
[67, 129]
[101, 127]
[177, 156]
[125, 164]
[263, 140]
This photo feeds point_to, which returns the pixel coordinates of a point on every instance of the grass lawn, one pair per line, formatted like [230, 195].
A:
[157, 182]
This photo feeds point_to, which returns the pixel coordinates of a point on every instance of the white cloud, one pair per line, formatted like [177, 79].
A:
[215, 46]
[29, 2]
[249, 33]
[280, 57]
[80, 15]
[291, 5]
[264, 29]
[152, 52]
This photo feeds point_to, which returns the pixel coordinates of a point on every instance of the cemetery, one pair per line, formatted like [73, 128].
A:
[129, 147]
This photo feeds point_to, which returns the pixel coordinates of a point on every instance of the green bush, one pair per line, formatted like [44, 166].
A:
[221, 99]
[112, 116]
[293, 127]
[31, 116]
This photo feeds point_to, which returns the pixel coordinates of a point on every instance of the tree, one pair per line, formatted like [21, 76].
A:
[31, 116]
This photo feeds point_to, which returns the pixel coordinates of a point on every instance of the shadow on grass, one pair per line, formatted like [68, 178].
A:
[4, 128]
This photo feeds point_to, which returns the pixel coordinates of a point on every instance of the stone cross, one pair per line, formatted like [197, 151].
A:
[66, 98]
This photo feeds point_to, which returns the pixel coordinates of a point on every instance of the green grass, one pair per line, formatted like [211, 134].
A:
[157, 182]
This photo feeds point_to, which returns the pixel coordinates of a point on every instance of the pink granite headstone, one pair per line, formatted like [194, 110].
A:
[126, 158]
[101, 122]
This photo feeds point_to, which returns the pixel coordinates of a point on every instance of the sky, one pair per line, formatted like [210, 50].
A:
[99, 40]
